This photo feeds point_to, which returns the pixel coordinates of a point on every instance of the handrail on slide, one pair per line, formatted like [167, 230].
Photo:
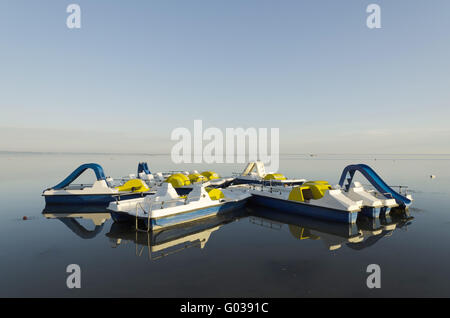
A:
[78, 171]
[374, 179]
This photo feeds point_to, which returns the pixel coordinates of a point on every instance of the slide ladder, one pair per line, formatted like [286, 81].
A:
[143, 167]
[349, 172]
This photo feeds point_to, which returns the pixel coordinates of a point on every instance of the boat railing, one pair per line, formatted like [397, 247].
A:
[79, 186]
[273, 225]
[402, 189]
[170, 172]
[162, 254]
[177, 250]
[138, 205]
[267, 188]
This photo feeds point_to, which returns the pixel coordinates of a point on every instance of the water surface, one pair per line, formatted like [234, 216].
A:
[250, 253]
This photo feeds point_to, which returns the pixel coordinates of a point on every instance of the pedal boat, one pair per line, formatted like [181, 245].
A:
[101, 192]
[316, 199]
[166, 208]
[255, 172]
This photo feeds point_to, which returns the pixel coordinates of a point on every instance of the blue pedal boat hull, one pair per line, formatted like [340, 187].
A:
[93, 199]
[305, 209]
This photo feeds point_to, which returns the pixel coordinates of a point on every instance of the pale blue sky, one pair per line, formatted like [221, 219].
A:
[138, 69]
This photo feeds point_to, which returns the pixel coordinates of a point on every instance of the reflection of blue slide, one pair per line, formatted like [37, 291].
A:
[79, 230]
[78, 171]
[374, 179]
[143, 167]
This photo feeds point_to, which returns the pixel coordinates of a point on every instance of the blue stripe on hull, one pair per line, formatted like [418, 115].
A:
[101, 199]
[305, 209]
[182, 217]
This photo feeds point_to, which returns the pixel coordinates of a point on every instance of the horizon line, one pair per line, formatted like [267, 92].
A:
[168, 154]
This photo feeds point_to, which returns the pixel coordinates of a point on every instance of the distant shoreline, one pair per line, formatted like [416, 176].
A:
[168, 154]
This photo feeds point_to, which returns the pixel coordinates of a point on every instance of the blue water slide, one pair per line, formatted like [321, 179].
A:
[374, 179]
[143, 167]
[78, 171]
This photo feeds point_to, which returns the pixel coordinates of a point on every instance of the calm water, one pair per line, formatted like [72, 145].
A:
[254, 252]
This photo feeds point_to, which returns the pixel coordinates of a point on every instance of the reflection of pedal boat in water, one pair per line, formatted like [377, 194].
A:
[167, 208]
[69, 217]
[170, 240]
[101, 192]
[333, 234]
[375, 229]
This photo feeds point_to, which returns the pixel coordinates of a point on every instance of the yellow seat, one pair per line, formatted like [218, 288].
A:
[274, 176]
[197, 177]
[178, 180]
[215, 194]
[133, 185]
[309, 190]
[297, 193]
[210, 175]
[318, 188]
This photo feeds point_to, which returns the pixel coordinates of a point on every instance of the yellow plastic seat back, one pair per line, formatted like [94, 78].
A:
[302, 233]
[210, 175]
[274, 176]
[318, 188]
[297, 193]
[178, 180]
[133, 185]
[309, 190]
[215, 194]
[197, 177]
